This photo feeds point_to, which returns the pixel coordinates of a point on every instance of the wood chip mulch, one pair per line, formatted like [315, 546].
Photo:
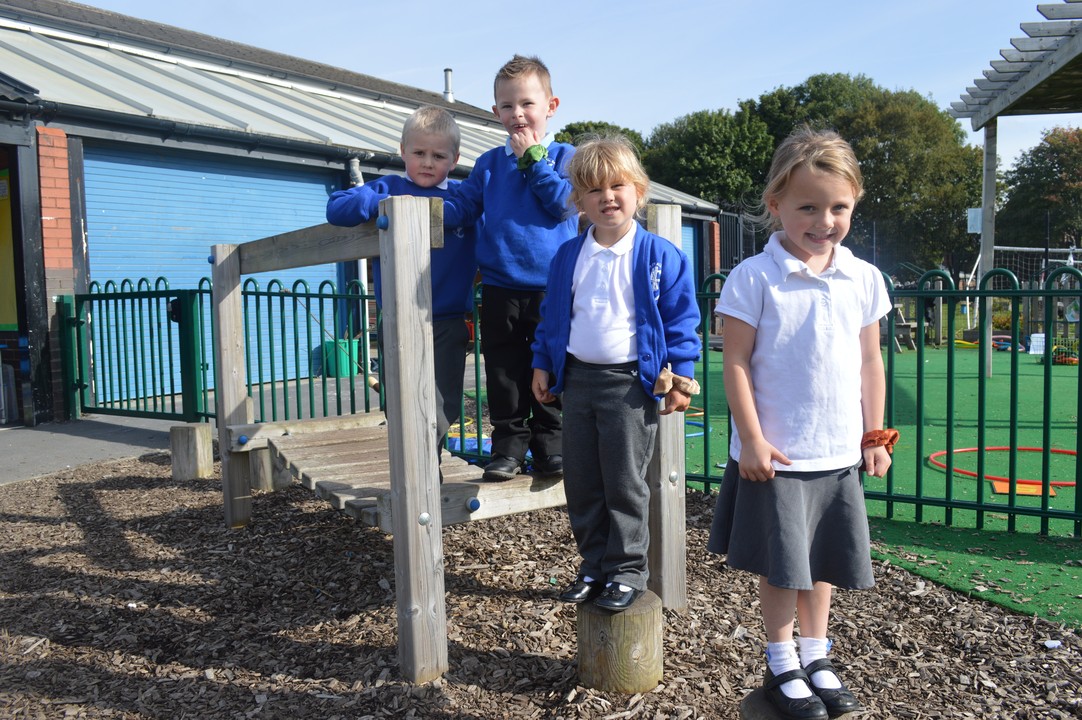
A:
[122, 595]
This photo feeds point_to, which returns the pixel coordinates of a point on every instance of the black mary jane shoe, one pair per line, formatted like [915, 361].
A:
[581, 591]
[614, 599]
[805, 708]
[839, 701]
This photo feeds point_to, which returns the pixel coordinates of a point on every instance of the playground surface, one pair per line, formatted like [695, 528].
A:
[122, 596]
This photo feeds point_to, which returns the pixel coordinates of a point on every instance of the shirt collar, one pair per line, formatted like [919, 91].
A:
[545, 141]
[842, 261]
[620, 247]
[441, 186]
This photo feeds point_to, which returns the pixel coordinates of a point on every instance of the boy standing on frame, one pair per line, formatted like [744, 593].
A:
[618, 334]
[521, 189]
[430, 142]
[805, 385]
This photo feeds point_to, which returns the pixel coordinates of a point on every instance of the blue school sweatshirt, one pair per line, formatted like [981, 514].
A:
[526, 214]
[453, 267]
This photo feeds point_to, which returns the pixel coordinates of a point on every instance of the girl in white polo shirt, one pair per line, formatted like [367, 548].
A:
[805, 384]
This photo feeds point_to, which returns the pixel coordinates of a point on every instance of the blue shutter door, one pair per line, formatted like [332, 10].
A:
[155, 213]
[689, 235]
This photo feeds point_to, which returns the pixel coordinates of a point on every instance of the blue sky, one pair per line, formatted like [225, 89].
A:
[638, 63]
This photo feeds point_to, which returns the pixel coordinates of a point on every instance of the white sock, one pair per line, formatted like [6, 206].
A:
[812, 649]
[781, 657]
[621, 586]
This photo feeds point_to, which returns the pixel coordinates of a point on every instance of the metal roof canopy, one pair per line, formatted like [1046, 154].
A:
[1041, 74]
[110, 76]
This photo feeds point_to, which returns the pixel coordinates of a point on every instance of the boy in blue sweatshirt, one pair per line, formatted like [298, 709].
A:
[430, 142]
[522, 191]
[617, 335]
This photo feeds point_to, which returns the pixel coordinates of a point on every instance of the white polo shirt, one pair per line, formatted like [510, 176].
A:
[805, 365]
[603, 302]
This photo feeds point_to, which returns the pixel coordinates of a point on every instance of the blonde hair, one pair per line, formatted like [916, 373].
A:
[432, 120]
[521, 66]
[817, 150]
[603, 159]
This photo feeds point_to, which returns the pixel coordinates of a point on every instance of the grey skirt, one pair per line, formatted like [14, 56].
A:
[795, 529]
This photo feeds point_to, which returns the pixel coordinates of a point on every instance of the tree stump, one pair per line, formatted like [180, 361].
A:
[191, 447]
[622, 651]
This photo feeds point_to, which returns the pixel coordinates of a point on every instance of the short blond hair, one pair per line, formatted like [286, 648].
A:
[522, 66]
[602, 159]
[432, 120]
[821, 151]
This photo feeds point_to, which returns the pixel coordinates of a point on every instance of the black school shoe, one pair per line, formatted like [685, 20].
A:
[548, 466]
[806, 708]
[839, 701]
[581, 591]
[501, 468]
[614, 599]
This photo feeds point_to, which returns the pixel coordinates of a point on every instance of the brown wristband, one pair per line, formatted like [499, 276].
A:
[876, 438]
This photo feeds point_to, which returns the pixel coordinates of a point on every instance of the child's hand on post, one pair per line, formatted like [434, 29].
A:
[540, 386]
[675, 401]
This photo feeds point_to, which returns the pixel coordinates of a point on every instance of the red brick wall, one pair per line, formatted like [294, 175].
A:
[56, 236]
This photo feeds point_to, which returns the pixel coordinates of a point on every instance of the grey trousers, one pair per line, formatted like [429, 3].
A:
[610, 428]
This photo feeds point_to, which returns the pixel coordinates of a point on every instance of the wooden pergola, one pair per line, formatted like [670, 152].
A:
[1040, 74]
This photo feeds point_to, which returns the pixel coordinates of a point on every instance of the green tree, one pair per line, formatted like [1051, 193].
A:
[1044, 194]
[573, 131]
[712, 154]
[919, 178]
[919, 175]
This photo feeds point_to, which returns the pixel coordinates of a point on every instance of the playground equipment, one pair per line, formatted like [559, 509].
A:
[401, 490]
[1002, 484]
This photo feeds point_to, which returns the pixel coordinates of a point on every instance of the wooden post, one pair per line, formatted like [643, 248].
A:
[411, 435]
[621, 652]
[191, 448]
[668, 519]
[230, 382]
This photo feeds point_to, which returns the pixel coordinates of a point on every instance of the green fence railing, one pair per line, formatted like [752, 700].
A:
[989, 436]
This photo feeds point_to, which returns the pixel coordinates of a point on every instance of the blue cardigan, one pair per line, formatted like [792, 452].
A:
[453, 268]
[666, 312]
[526, 214]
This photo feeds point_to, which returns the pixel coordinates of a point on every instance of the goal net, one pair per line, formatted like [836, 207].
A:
[1030, 265]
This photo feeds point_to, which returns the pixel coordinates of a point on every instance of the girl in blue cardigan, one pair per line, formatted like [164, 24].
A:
[617, 335]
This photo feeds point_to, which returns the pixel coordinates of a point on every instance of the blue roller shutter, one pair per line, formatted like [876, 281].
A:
[689, 243]
[155, 213]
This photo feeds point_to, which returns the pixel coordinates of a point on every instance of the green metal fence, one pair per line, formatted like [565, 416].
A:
[1003, 418]
[142, 349]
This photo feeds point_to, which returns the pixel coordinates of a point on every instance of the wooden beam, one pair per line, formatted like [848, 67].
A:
[667, 558]
[322, 244]
[257, 435]
[1051, 29]
[411, 438]
[230, 382]
[1041, 44]
[1069, 10]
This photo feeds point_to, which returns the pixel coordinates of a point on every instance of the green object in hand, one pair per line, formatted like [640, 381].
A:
[532, 155]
